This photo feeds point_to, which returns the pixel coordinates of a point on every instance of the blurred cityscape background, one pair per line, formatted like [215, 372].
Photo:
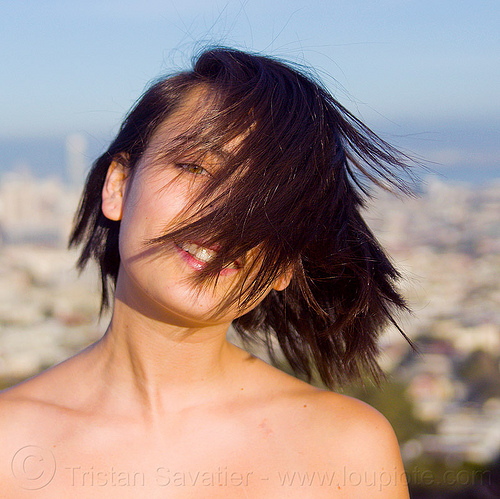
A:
[423, 74]
[444, 400]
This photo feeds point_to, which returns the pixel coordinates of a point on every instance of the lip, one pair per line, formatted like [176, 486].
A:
[196, 264]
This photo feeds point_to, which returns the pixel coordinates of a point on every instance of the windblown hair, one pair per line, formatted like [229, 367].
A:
[289, 192]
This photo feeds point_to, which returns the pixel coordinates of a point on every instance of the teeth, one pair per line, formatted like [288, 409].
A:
[203, 254]
[199, 252]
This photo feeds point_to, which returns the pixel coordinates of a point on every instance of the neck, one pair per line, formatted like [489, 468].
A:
[162, 366]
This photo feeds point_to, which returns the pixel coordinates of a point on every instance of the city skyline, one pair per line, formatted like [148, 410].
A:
[444, 401]
[465, 153]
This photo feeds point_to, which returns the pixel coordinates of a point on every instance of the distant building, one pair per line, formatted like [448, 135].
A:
[76, 159]
[35, 211]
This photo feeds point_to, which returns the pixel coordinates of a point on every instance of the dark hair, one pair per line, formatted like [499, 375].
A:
[292, 187]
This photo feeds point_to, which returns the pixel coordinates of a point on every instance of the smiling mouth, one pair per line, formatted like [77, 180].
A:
[202, 253]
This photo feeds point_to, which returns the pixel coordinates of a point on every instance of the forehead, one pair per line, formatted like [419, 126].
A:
[199, 128]
[184, 120]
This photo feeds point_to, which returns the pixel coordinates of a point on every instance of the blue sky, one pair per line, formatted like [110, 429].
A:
[417, 69]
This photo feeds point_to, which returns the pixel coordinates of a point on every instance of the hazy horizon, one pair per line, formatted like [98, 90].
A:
[463, 152]
[423, 74]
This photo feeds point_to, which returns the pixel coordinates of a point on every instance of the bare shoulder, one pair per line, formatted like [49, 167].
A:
[18, 432]
[338, 437]
[31, 423]
[357, 442]
[27, 407]
[347, 420]
[353, 423]
[30, 407]
[37, 389]
[18, 402]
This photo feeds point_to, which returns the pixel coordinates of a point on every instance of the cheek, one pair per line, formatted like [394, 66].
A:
[162, 276]
[146, 215]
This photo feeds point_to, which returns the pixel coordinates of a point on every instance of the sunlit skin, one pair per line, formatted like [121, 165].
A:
[164, 395]
[156, 280]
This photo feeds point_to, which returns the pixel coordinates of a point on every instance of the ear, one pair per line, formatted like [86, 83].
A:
[113, 191]
[283, 280]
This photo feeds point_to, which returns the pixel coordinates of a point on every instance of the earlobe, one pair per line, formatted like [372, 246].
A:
[283, 280]
[113, 191]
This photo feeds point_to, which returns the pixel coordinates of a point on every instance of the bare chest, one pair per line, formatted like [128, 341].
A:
[205, 459]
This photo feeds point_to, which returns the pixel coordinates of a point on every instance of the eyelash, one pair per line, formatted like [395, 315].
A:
[189, 167]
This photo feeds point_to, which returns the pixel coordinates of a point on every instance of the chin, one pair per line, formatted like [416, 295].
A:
[172, 303]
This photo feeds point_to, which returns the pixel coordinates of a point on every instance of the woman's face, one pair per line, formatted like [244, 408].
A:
[159, 281]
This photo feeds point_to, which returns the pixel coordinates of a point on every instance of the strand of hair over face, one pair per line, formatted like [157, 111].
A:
[293, 172]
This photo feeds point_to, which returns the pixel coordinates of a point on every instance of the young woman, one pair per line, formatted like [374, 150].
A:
[231, 195]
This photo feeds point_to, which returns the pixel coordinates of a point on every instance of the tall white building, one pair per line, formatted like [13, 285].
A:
[76, 159]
